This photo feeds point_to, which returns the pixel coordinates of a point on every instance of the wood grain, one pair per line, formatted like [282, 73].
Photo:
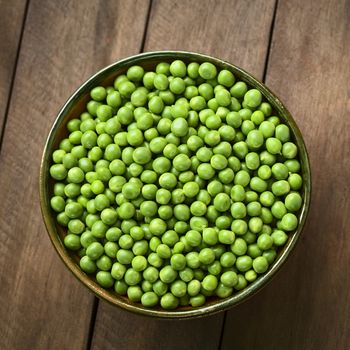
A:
[308, 305]
[12, 16]
[196, 26]
[42, 305]
[237, 31]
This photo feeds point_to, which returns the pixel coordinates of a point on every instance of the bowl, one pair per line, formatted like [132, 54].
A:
[76, 105]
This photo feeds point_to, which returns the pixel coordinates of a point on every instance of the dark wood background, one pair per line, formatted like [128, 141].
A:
[300, 48]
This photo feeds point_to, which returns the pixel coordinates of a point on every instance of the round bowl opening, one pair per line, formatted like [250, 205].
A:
[76, 105]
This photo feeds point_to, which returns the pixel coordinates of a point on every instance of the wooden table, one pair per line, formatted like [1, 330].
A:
[300, 48]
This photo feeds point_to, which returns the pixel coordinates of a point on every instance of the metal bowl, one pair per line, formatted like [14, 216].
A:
[76, 105]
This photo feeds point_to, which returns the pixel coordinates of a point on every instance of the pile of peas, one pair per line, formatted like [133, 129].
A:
[176, 184]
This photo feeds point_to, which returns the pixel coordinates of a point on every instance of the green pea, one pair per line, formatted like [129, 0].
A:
[293, 201]
[207, 71]
[260, 264]
[253, 98]
[289, 222]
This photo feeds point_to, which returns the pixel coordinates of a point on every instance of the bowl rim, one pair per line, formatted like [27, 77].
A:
[206, 309]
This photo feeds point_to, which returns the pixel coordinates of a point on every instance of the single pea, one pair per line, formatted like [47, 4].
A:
[293, 201]
[104, 112]
[58, 155]
[264, 242]
[104, 263]
[240, 149]
[254, 208]
[197, 300]
[198, 208]
[244, 263]
[255, 139]
[214, 187]
[73, 125]
[157, 226]
[282, 133]
[238, 210]
[87, 265]
[227, 259]
[253, 98]
[207, 71]
[223, 97]
[273, 145]
[125, 256]
[72, 241]
[120, 287]
[267, 158]
[255, 224]
[254, 250]
[260, 264]
[206, 256]
[226, 236]
[76, 226]
[280, 171]
[239, 247]
[111, 249]
[257, 184]
[293, 165]
[177, 86]
[178, 288]
[270, 255]
[101, 203]
[242, 178]
[210, 283]
[163, 68]
[295, 181]
[169, 301]
[278, 210]
[57, 203]
[252, 161]
[205, 171]
[126, 211]
[226, 78]
[149, 299]
[204, 154]
[289, 150]
[280, 188]
[289, 222]
[193, 288]
[135, 73]
[178, 68]
[58, 172]
[257, 117]
[239, 89]
[279, 238]
[73, 210]
[114, 99]
[264, 172]
[167, 274]
[222, 202]
[149, 191]
[104, 279]
[267, 129]
[92, 106]
[161, 165]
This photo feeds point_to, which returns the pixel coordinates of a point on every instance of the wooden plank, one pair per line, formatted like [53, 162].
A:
[198, 26]
[42, 305]
[307, 306]
[12, 16]
[225, 29]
